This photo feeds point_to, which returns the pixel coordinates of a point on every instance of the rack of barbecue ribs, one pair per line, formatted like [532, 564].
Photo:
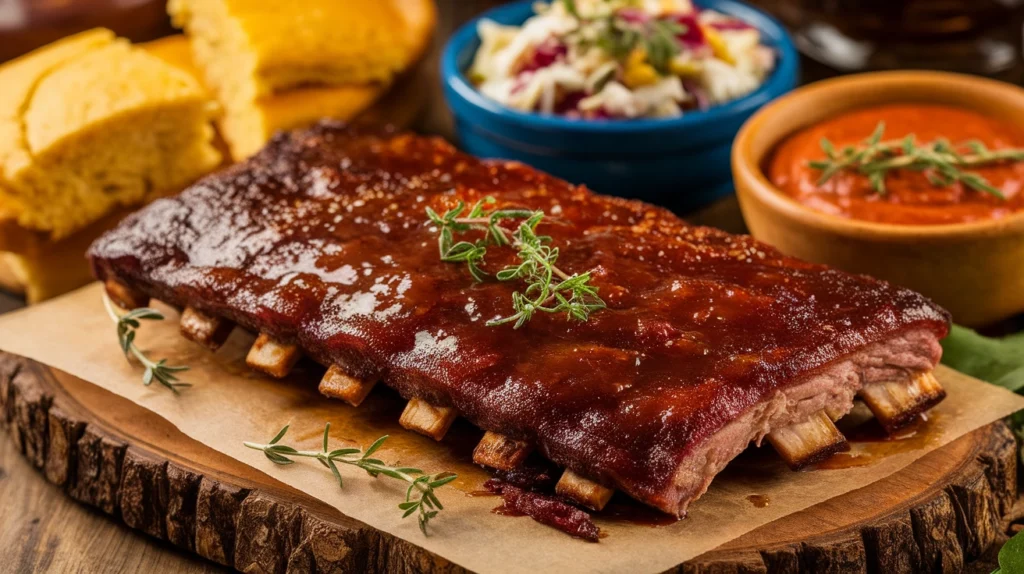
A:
[708, 342]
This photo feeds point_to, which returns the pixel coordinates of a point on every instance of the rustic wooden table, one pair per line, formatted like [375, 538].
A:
[43, 530]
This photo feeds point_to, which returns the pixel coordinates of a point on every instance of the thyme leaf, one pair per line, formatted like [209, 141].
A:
[939, 160]
[620, 36]
[570, 8]
[158, 371]
[419, 497]
[549, 289]
[657, 38]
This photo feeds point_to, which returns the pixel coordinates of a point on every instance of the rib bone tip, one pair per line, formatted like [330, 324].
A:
[126, 297]
[898, 403]
[338, 385]
[835, 413]
[500, 452]
[427, 419]
[582, 491]
[807, 442]
[207, 330]
[272, 357]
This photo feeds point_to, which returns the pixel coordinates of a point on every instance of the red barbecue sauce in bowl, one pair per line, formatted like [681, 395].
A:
[910, 198]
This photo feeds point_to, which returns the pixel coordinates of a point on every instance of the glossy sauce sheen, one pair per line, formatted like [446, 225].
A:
[911, 198]
[322, 239]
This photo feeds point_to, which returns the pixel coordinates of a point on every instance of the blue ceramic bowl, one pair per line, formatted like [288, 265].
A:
[680, 162]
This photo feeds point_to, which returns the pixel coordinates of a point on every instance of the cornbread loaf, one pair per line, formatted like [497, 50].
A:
[90, 124]
[279, 66]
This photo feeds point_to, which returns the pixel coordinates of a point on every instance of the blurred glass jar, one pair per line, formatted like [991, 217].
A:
[28, 24]
[971, 36]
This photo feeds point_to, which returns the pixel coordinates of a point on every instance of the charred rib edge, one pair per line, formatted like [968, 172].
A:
[338, 385]
[582, 491]
[207, 330]
[427, 419]
[807, 442]
[124, 296]
[272, 357]
[500, 452]
[898, 403]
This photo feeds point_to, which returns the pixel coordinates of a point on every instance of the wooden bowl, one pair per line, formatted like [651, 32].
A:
[973, 269]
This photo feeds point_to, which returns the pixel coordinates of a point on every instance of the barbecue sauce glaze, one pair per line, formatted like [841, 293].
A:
[322, 239]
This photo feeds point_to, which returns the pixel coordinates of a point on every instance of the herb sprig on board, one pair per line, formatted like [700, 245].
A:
[549, 288]
[158, 371]
[939, 160]
[419, 497]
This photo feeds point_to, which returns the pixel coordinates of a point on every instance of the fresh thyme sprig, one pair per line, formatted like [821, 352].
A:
[158, 371]
[570, 7]
[619, 37]
[419, 497]
[657, 38]
[940, 161]
[549, 289]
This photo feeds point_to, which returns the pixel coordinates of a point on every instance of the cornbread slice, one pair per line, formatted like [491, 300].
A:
[247, 126]
[252, 48]
[106, 127]
[268, 80]
[47, 268]
[18, 79]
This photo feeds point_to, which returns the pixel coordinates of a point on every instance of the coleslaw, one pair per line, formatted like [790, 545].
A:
[619, 59]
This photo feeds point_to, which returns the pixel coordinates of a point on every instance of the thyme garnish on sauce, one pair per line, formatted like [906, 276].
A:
[419, 497]
[940, 161]
[158, 371]
[549, 289]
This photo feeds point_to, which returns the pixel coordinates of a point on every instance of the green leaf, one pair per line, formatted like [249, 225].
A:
[429, 495]
[828, 148]
[998, 361]
[334, 470]
[280, 435]
[876, 136]
[277, 458]
[441, 481]
[172, 368]
[376, 445]
[1011, 555]
[327, 430]
[508, 274]
[570, 7]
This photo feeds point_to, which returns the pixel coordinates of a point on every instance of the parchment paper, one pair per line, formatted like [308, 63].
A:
[229, 405]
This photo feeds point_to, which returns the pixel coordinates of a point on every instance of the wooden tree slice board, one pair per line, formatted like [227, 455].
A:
[109, 453]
